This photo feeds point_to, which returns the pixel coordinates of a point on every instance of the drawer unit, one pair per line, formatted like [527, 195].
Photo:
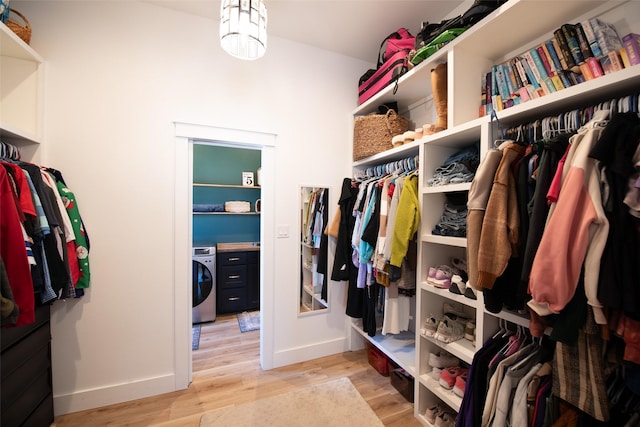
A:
[232, 258]
[26, 396]
[238, 280]
[232, 277]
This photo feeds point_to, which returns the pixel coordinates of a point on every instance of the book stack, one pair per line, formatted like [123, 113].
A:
[576, 53]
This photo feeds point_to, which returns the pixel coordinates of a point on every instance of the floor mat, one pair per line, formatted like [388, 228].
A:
[249, 321]
[195, 343]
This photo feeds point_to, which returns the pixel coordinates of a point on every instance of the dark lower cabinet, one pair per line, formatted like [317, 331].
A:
[26, 391]
[238, 281]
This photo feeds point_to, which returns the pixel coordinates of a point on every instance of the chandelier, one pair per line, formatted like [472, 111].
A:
[243, 28]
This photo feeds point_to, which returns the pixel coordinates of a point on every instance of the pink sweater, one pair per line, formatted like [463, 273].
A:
[576, 234]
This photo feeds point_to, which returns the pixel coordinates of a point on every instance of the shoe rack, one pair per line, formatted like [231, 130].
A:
[514, 27]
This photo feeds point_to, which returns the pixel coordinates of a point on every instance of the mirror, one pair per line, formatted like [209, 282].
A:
[314, 217]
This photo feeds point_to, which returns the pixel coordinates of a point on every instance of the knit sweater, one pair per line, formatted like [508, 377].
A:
[575, 235]
[407, 220]
[499, 236]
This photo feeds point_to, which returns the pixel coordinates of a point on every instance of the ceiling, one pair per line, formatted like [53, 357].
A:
[353, 28]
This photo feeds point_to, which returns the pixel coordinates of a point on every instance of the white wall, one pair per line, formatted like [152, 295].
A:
[118, 75]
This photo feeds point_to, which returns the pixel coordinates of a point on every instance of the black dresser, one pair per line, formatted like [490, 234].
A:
[238, 277]
[26, 392]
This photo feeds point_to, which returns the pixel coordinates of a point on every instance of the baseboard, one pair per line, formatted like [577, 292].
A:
[109, 395]
[310, 352]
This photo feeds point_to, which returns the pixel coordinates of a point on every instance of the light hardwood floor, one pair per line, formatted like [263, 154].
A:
[226, 371]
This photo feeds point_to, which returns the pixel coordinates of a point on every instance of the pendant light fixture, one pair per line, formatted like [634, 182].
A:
[243, 28]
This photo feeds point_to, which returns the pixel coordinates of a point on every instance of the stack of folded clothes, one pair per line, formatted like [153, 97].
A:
[237, 206]
[211, 207]
[453, 221]
[458, 168]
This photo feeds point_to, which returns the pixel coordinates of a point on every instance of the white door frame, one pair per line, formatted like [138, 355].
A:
[185, 135]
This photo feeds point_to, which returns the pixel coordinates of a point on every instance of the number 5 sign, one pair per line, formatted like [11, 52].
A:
[247, 179]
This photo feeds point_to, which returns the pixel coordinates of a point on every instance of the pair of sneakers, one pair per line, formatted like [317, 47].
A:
[460, 287]
[440, 276]
[440, 417]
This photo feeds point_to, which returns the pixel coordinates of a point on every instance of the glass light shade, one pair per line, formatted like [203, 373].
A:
[243, 28]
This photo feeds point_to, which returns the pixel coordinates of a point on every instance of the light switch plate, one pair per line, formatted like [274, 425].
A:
[282, 231]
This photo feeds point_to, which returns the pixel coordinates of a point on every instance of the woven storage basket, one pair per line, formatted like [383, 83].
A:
[22, 31]
[372, 133]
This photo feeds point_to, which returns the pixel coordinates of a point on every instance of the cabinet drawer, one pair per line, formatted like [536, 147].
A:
[231, 258]
[232, 276]
[232, 300]
[24, 404]
[19, 356]
[18, 381]
[10, 336]
[253, 257]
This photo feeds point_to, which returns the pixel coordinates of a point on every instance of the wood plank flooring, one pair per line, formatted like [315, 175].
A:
[226, 371]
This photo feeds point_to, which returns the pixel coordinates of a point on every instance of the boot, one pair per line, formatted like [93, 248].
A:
[439, 89]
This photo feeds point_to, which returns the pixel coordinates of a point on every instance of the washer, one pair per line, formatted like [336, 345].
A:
[204, 284]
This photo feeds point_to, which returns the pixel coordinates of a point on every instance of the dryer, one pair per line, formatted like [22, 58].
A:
[204, 284]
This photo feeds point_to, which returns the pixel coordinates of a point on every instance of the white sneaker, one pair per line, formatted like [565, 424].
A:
[444, 360]
[449, 330]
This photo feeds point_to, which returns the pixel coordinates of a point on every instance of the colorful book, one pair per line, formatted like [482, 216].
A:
[571, 37]
[616, 61]
[515, 74]
[564, 49]
[596, 69]
[503, 89]
[546, 60]
[556, 47]
[624, 57]
[530, 75]
[585, 70]
[539, 65]
[607, 36]
[591, 38]
[631, 43]
[557, 81]
[566, 81]
[553, 55]
[585, 49]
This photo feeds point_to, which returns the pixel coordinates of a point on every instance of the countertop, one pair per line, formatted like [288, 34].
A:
[238, 246]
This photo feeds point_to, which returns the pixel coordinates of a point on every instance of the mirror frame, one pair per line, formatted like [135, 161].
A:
[310, 252]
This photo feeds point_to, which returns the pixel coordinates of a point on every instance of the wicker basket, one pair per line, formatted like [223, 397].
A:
[372, 133]
[22, 31]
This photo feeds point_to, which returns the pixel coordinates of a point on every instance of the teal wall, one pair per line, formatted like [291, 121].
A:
[224, 165]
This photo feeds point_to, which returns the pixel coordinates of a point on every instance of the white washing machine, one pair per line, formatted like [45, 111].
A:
[204, 284]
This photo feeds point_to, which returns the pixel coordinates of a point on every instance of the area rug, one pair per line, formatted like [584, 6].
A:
[332, 403]
[195, 340]
[249, 321]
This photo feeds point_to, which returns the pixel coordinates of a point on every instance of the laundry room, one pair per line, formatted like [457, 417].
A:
[225, 235]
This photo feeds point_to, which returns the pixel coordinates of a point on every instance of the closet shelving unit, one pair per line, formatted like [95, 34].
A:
[27, 388]
[516, 26]
[231, 186]
[21, 94]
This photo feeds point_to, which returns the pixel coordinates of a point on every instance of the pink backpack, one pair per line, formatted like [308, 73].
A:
[397, 41]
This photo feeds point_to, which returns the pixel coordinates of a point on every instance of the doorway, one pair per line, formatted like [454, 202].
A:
[186, 136]
[226, 241]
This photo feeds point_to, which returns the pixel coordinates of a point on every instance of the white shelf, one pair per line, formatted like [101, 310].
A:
[447, 396]
[14, 47]
[398, 347]
[463, 349]
[226, 213]
[246, 187]
[450, 188]
[445, 240]
[446, 293]
[21, 80]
